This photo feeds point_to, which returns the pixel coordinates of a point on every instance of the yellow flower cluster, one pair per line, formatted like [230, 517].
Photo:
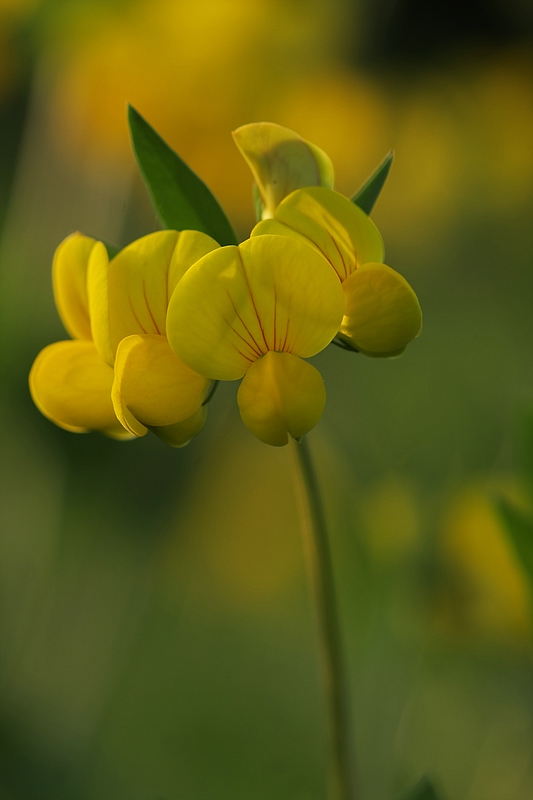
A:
[153, 327]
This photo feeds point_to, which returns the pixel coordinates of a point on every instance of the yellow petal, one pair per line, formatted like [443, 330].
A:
[69, 277]
[281, 395]
[71, 385]
[281, 161]
[190, 248]
[236, 303]
[153, 388]
[181, 433]
[99, 302]
[277, 228]
[130, 294]
[336, 227]
[382, 313]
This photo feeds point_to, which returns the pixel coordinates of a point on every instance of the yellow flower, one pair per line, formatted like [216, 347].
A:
[281, 161]
[121, 364]
[257, 310]
[129, 297]
[69, 382]
[381, 314]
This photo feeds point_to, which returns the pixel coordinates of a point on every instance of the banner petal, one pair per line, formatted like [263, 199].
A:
[130, 294]
[237, 303]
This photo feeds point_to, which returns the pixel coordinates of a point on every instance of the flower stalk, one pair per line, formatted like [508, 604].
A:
[341, 773]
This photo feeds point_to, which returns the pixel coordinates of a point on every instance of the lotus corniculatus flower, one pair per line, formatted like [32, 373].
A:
[124, 364]
[382, 313]
[171, 313]
[257, 310]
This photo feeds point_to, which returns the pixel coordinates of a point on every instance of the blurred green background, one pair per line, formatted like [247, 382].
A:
[156, 634]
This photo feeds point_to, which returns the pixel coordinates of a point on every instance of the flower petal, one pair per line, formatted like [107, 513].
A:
[236, 303]
[99, 302]
[382, 313]
[181, 433]
[190, 248]
[336, 227]
[152, 387]
[69, 277]
[280, 395]
[277, 228]
[281, 161]
[71, 385]
[130, 294]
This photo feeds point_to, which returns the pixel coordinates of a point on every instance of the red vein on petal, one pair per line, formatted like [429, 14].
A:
[137, 320]
[246, 328]
[286, 335]
[246, 342]
[340, 253]
[251, 360]
[256, 353]
[255, 307]
[328, 259]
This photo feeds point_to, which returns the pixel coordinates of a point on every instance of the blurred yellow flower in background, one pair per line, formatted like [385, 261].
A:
[488, 595]
[391, 519]
[347, 112]
[180, 64]
[459, 130]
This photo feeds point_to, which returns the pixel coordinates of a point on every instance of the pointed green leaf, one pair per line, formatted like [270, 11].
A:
[367, 195]
[424, 790]
[519, 526]
[180, 198]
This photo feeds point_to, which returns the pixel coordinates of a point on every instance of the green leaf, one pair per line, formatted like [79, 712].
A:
[180, 198]
[367, 195]
[424, 790]
[520, 529]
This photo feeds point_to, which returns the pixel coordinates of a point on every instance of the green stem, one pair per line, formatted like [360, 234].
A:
[316, 544]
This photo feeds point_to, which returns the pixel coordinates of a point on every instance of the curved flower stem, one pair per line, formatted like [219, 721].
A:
[316, 544]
